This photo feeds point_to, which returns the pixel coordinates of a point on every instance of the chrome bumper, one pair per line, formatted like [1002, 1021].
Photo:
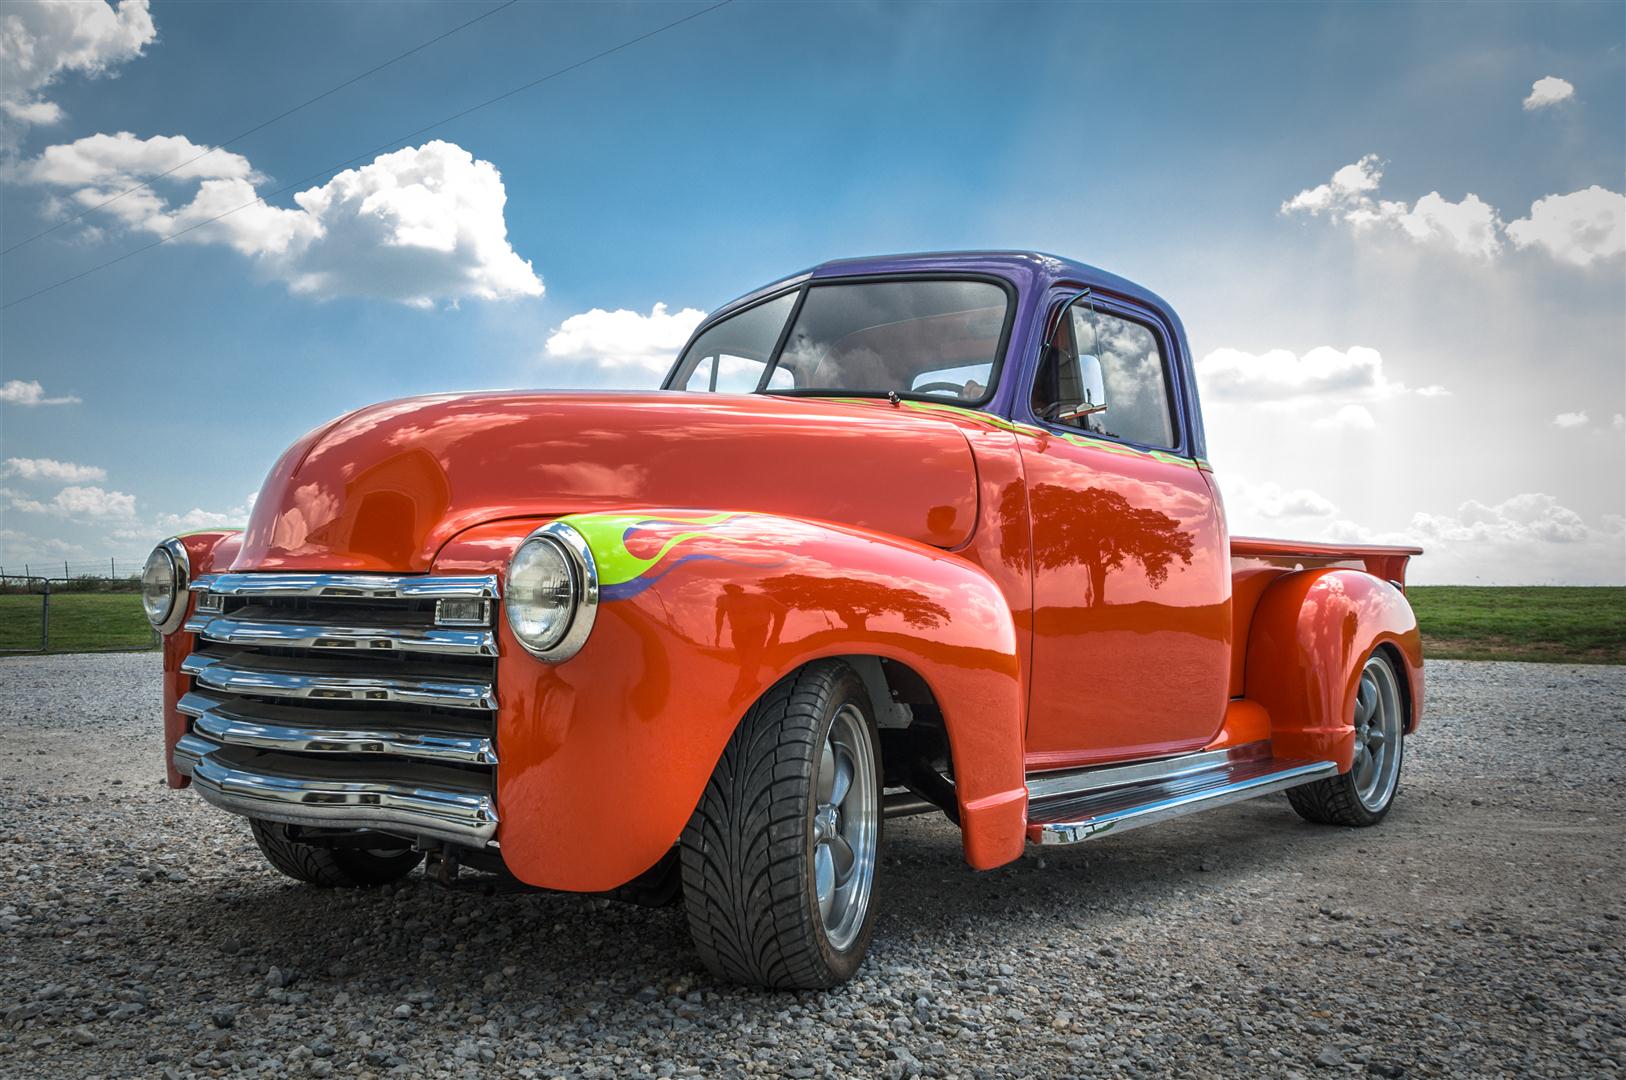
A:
[343, 702]
[424, 800]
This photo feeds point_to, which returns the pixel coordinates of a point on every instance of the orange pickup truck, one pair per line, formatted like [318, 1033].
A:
[920, 534]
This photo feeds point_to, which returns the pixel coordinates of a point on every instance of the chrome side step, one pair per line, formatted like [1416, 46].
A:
[1126, 797]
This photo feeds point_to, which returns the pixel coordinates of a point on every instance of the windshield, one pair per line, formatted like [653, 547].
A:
[921, 338]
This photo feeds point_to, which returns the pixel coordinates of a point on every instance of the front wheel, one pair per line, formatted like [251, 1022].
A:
[779, 858]
[1362, 796]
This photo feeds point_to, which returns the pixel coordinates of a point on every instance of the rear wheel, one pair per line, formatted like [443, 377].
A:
[779, 859]
[331, 866]
[1362, 796]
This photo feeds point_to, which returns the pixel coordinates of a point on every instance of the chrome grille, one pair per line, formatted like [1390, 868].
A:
[336, 700]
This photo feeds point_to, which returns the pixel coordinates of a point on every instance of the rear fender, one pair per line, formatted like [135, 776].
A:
[1311, 635]
[604, 756]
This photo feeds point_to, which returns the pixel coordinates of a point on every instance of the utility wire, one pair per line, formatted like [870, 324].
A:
[374, 152]
[261, 126]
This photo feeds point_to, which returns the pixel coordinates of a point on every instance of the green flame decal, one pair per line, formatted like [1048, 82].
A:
[606, 534]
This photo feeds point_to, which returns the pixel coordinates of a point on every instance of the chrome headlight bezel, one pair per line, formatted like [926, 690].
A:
[180, 576]
[578, 558]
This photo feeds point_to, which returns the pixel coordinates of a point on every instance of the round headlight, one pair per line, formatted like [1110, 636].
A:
[163, 586]
[551, 592]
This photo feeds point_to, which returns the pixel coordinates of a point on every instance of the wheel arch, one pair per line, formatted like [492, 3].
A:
[725, 605]
[1311, 633]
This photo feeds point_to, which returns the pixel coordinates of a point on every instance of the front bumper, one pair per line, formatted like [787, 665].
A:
[433, 802]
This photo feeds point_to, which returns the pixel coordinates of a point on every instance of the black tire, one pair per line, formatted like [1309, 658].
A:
[331, 867]
[1337, 799]
[748, 852]
[658, 887]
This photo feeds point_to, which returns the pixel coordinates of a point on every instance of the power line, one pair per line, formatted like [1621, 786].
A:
[365, 154]
[261, 126]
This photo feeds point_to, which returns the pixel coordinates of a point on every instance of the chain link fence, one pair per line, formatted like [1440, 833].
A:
[73, 607]
[109, 570]
[25, 614]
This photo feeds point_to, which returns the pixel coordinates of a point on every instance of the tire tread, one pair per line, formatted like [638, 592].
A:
[745, 852]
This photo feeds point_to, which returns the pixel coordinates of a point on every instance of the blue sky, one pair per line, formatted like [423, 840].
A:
[1375, 363]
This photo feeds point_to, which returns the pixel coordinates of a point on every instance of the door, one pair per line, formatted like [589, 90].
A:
[1131, 641]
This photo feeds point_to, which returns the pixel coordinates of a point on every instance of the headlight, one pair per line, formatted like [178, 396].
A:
[551, 594]
[163, 586]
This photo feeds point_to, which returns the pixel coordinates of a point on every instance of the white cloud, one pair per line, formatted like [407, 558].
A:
[1279, 375]
[18, 392]
[1579, 228]
[1618, 422]
[79, 502]
[624, 339]
[1530, 538]
[1470, 227]
[39, 42]
[420, 225]
[1523, 518]
[198, 518]
[1265, 507]
[65, 472]
[18, 548]
[1570, 419]
[1348, 188]
[104, 165]
[1349, 418]
[1548, 91]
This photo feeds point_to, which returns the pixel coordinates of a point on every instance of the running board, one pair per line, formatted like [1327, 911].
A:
[1069, 808]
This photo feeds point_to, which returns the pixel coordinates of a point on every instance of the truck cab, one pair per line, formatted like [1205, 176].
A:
[916, 534]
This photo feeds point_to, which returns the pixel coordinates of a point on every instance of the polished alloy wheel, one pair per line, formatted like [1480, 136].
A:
[1378, 720]
[846, 826]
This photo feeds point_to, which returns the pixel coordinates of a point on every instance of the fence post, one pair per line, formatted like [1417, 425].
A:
[45, 631]
[112, 569]
[65, 574]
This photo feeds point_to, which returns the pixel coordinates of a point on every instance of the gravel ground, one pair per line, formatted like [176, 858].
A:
[1475, 933]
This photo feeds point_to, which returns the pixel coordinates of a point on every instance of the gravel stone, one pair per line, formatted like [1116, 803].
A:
[1476, 932]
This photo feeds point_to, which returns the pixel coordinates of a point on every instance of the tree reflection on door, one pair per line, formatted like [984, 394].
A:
[1101, 531]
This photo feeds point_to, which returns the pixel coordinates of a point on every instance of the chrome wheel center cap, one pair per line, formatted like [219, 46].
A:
[826, 823]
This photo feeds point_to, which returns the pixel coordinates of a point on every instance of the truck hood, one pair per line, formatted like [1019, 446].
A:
[382, 489]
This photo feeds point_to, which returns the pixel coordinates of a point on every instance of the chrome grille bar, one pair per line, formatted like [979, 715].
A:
[289, 678]
[434, 641]
[352, 586]
[292, 729]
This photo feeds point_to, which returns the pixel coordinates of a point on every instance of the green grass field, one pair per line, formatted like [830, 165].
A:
[1564, 625]
[80, 622]
[1460, 622]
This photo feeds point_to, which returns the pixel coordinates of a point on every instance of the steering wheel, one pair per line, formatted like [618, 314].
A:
[957, 389]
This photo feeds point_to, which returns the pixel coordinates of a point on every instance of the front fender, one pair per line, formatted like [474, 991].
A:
[1311, 634]
[604, 756]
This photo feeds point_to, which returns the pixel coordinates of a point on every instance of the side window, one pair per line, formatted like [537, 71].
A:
[1105, 375]
[724, 373]
[729, 358]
